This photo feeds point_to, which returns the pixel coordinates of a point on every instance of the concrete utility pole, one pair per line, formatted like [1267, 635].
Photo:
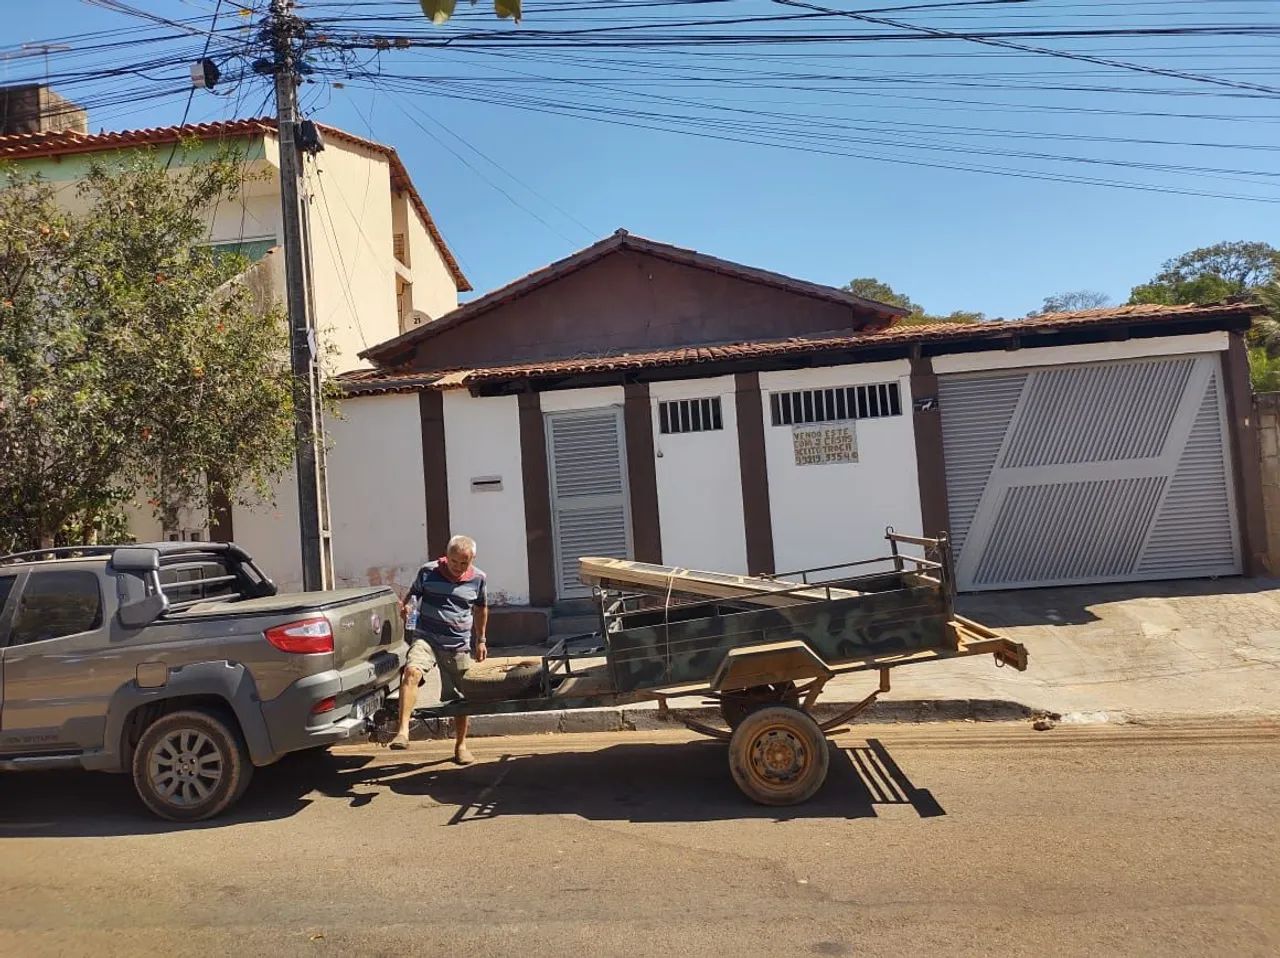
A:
[317, 559]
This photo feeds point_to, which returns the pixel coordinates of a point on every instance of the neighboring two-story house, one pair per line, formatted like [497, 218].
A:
[379, 265]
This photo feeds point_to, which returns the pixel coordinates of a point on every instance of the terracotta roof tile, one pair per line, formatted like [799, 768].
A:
[374, 381]
[19, 146]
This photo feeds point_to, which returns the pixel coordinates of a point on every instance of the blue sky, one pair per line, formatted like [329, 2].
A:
[514, 183]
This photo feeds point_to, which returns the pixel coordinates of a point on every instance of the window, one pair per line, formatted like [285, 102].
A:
[6, 586]
[206, 579]
[55, 604]
[832, 405]
[689, 415]
[252, 250]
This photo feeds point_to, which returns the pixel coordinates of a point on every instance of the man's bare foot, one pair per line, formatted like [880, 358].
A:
[462, 755]
[400, 742]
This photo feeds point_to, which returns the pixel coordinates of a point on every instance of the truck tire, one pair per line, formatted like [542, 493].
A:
[778, 756]
[514, 680]
[191, 765]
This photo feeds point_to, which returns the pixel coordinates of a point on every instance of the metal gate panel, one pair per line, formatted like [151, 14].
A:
[1075, 414]
[1196, 532]
[1068, 531]
[589, 509]
[975, 416]
[1110, 471]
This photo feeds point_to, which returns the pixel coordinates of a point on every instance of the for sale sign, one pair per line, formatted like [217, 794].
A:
[825, 443]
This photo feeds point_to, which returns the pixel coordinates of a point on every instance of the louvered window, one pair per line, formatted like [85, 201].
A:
[689, 415]
[803, 406]
[588, 491]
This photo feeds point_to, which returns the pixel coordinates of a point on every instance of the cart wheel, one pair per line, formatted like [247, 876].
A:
[737, 705]
[778, 756]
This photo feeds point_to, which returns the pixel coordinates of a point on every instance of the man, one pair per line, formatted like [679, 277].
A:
[447, 591]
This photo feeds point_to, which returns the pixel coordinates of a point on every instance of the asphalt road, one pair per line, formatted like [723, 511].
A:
[926, 840]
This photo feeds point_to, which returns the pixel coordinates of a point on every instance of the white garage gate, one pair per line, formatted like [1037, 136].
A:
[1111, 471]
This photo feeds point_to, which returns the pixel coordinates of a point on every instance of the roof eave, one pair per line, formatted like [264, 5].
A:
[934, 340]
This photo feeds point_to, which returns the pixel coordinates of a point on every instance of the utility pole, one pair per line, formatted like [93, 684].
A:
[308, 425]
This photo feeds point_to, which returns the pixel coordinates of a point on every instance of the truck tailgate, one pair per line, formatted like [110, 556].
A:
[365, 622]
[363, 628]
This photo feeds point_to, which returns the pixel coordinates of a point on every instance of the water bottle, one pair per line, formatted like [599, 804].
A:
[411, 620]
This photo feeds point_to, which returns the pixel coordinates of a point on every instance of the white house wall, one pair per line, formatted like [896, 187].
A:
[434, 289]
[566, 400]
[351, 251]
[827, 514]
[144, 524]
[482, 442]
[250, 215]
[269, 532]
[700, 482]
[377, 502]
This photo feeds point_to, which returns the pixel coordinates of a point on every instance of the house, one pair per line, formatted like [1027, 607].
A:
[378, 263]
[642, 400]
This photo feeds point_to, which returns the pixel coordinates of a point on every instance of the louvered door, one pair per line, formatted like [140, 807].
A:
[588, 491]
[1099, 472]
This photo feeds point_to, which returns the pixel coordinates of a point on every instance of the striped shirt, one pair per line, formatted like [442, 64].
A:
[444, 604]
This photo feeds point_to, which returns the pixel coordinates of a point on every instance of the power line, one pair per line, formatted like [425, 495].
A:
[1042, 51]
[494, 184]
[186, 111]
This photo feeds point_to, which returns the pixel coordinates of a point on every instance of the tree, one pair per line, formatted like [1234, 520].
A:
[439, 11]
[1072, 302]
[868, 287]
[1211, 274]
[131, 358]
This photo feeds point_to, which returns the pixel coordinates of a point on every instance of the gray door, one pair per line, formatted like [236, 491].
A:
[1115, 471]
[589, 510]
[55, 687]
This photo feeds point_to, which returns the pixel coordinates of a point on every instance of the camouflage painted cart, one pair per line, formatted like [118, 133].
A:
[764, 653]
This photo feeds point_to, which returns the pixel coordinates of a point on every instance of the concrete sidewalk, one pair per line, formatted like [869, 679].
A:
[1135, 652]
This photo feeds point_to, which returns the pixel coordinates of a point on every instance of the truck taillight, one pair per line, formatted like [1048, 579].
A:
[304, 636]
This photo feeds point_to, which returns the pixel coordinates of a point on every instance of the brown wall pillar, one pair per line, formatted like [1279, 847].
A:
[1266, 411]
[1246, 455]
[756, 515]
[435, 473]
[537, 502]
[930, 468]
[642, 475]
[220, 521]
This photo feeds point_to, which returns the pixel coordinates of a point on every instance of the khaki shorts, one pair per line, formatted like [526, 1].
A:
[426, 656]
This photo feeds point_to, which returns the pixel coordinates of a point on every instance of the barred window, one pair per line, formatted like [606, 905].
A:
[689, 415]
[803, 406]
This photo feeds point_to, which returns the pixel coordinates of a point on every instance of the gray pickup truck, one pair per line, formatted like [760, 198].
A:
[179, 663]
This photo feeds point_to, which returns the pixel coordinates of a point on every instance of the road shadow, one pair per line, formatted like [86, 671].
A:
[1073, 605]
[641, 782]
[688, 782]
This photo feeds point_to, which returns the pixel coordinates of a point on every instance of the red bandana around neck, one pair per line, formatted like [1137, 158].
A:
[442, 566]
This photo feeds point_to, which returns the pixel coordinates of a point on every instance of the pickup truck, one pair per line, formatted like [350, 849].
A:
[179, 664]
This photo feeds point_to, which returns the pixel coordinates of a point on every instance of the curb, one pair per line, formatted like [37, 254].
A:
[644, 718]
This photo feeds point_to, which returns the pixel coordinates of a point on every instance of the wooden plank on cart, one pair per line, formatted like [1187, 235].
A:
[660, 580]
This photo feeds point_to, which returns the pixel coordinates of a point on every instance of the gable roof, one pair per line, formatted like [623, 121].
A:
[385, 352]
[20, 146]
[942, 337]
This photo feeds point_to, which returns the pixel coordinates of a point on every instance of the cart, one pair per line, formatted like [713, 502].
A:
[762, 647]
